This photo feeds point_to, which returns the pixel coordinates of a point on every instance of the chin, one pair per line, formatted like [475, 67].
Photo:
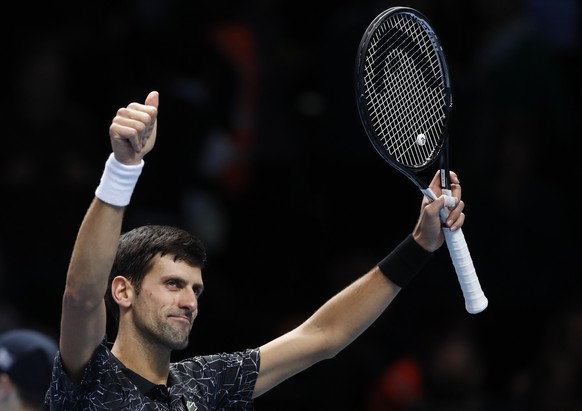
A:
[180, 344]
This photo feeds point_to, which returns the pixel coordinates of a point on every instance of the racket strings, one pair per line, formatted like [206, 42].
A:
[412, 112]
[405, 91]
[414, 117]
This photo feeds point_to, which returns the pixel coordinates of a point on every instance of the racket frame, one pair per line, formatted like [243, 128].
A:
[410, 172]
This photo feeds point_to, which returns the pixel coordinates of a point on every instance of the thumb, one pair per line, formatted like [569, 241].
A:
[153, 99]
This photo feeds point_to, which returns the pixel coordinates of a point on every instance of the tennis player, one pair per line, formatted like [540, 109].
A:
[152, 276]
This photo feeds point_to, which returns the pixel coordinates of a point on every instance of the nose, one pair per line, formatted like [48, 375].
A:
[189, 299]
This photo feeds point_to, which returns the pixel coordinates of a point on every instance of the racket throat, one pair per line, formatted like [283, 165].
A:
[445, 172]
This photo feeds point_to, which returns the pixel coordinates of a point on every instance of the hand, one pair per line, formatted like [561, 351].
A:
[133, 130]
[428, 231]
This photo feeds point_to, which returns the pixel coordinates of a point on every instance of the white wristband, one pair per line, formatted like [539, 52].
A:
[117, 182]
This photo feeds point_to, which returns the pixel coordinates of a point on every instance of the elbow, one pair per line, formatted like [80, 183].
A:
[333, 349]
[80, 301]
[331, 346]
[325, 342]
[329, 354]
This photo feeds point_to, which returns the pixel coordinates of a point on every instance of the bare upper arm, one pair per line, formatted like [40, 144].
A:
[83, 316]
[82, 330]
[328, 331]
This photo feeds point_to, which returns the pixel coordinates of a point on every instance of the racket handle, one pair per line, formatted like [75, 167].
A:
[475, 300]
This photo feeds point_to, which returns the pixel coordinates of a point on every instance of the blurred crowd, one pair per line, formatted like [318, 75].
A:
[261, 153]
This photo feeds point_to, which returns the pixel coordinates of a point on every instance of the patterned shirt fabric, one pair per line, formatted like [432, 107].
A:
[202, 383]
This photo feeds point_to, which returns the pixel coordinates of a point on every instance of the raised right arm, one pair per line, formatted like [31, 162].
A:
[83, 317]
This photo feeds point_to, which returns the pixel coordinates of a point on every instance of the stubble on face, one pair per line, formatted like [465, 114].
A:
[160, 326]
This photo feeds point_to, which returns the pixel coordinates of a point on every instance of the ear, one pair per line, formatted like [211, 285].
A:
[122, 291]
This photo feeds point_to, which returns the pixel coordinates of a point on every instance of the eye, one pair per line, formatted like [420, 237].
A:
[173, 284]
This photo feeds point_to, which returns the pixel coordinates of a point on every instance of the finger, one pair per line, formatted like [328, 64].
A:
[139, 111]
[456, 217]
[142, 114]
[121, 132]
[436, 181]
[134, 131]
[455, 224]
[433, 207]
[455, 185]
[153, 99]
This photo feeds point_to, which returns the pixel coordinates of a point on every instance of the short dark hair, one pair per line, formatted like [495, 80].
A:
[139, 246]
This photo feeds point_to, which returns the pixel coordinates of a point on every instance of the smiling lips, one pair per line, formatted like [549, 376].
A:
[183, 318]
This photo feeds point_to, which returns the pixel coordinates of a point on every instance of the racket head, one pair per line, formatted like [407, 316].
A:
[403, 90]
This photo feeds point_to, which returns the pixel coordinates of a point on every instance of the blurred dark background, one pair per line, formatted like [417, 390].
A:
[262, 154]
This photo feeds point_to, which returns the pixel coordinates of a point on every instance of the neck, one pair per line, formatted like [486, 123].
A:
[148, 360]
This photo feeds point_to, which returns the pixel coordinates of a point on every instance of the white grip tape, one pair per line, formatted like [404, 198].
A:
[117, 182]
[475, 299]
[450, 201]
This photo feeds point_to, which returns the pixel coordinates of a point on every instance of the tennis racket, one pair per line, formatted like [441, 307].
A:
[404, 99]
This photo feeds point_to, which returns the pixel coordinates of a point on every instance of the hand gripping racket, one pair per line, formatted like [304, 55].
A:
[404, 99]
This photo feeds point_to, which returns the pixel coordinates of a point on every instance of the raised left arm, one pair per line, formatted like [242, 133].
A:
[349, 313]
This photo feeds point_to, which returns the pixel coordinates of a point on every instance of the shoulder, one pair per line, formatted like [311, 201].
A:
[248, 360]
[225, 380]
[103, 370]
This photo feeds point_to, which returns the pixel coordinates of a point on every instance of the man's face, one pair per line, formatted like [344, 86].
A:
[167, 304]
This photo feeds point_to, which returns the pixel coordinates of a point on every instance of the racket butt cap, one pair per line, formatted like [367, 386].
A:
[475, 307]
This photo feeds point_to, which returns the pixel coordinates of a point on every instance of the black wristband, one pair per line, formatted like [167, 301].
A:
[405, 261]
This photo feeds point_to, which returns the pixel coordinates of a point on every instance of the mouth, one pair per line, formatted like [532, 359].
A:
[182, 319]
